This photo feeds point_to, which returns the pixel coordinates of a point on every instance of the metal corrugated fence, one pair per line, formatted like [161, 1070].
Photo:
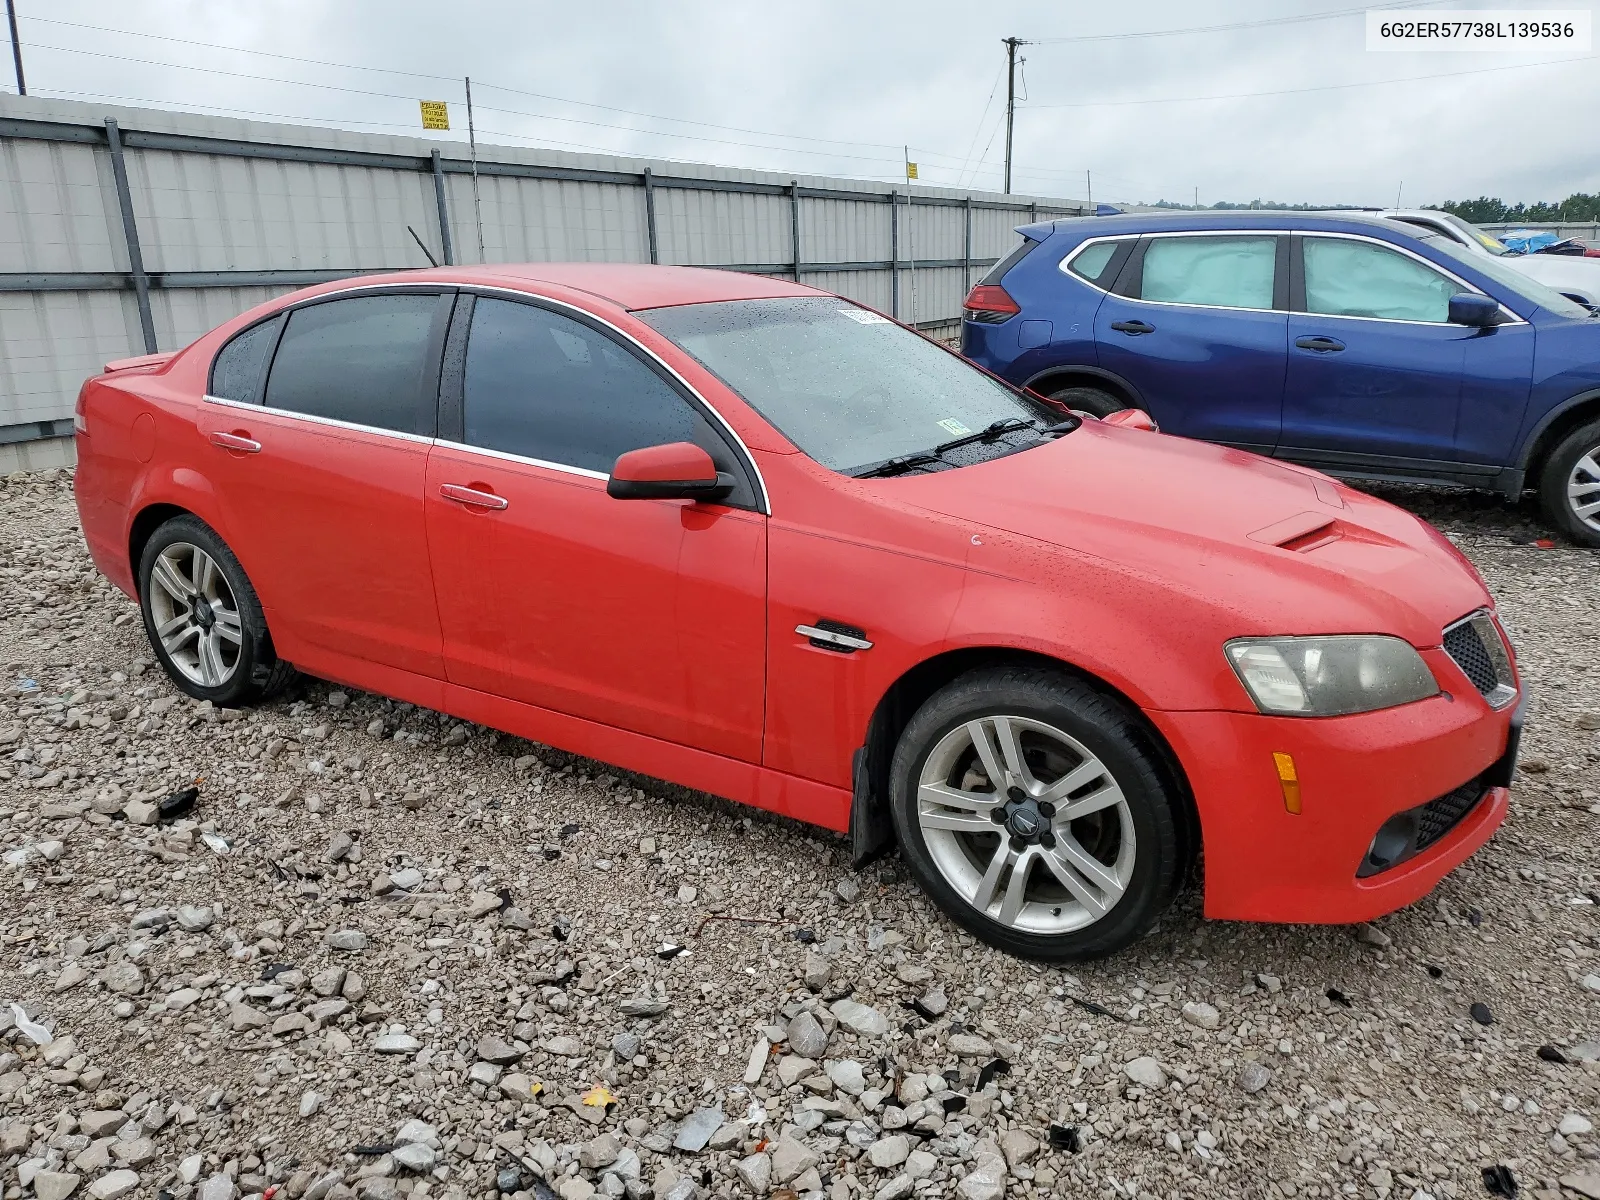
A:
[125, 231]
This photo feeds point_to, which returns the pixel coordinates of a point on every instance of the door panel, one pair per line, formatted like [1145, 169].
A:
[1192, 326]
[648, 615]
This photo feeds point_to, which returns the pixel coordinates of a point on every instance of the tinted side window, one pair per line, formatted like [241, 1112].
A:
[1093, 262]
[360, 360]
[1018, 253]
[1357, 279]
[1223, 272]
[544, 386]
[236, 371]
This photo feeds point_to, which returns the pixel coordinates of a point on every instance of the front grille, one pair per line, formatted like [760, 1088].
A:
[1474, 644]
[1438, 817]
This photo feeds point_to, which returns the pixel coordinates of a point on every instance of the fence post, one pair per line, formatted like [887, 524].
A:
[894, 254]
[966, 256]
[650, 215]
[794, 224]
[444, 212]
[130, 233]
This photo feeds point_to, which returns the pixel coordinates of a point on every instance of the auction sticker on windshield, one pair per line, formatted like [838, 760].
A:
[1481, 29]
[954, 427]
[862, 317]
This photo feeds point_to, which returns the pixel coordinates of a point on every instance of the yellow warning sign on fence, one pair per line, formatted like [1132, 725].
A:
[911, 170]
[435, 114]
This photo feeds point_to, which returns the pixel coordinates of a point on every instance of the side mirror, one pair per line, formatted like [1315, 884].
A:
[676, 471]
[1469, 308]
[1132, 418]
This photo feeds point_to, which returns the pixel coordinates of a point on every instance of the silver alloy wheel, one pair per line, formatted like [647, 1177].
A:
[195, 614]
[1026, 824]
[1583, 488]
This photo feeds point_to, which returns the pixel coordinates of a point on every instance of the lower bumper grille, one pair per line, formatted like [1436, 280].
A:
[1407, 834]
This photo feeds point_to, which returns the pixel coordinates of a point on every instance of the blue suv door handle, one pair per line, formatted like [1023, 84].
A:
[1133, 328]
[1322, 345]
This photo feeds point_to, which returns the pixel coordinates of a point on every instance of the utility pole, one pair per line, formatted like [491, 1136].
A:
[472, 142]
[1088, 186]
[16, 47]
[1011, 45]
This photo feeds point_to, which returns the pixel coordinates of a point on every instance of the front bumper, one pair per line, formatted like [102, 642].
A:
[1263, 863]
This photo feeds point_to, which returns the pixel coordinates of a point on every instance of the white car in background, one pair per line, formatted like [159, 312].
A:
[1568, 274]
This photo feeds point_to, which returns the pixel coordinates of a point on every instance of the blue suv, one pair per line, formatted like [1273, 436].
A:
[1339, 341]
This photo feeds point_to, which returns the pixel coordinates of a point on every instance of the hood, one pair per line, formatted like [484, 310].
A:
[1274, 548]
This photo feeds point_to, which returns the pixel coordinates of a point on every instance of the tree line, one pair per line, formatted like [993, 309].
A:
[1485, 210]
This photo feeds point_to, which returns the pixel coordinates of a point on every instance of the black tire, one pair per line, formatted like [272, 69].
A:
[1092, 400]
[1583, 442]
[1104, 725]
[256, 672]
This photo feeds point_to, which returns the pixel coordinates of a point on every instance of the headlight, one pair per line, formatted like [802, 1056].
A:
[1329, 676]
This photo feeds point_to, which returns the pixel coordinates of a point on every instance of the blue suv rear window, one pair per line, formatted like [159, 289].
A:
[998, 271]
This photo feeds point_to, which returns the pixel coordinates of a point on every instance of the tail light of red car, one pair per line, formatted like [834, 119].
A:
[990, 304]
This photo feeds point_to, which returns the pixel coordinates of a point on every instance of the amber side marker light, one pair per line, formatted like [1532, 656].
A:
[1288, 780]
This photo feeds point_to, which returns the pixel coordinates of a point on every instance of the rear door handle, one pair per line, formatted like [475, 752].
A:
[233, 441]
[1322, 345]
[472, 496]
[1133, 328]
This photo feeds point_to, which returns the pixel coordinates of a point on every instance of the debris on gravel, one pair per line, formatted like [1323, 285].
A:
[385, 954]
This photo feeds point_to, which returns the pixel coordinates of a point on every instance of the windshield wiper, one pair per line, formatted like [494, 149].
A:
[898, 465]
[987, 434]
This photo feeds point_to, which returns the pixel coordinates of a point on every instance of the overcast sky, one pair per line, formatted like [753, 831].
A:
[835, 87]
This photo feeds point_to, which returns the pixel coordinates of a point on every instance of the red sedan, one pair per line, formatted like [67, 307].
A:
[755, 539]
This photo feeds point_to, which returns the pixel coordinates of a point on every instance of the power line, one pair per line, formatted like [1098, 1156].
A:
[1327, 87]
[452, 79]
[1232, 25]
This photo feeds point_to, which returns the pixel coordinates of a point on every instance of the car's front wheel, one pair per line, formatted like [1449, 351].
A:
[1034, 810]
[1569, 486]
[203, 617]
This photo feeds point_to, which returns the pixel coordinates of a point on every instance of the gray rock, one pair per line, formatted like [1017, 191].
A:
[970, 1045]
[1253, 1077]
[697, 1129]
[897, 1188]
[397, 1043]
[192, 918]
[757, 1064]
[887, 1153]
[817, 970]
[1371, 935]
[1575, 1125]
[791, 1158]
[934, 1000]
[125, 979]
[117, 1183]
[1019, 1146]
[416, 1131]
[309, 1103]
[645, 1006]
[625, 1046]
[563, 1046]
[987, 1179]
[862, 1018]
[54, 1185]
[807, 1038]
[1202, 1015]
[415, 1156]
[920, 1164]
[847, 1076]
[600, 1152]
[348, 939]
[497, 1050]
[517, 1087]
[151, 918]
[756, 1172]
[218, 1187]
[1146, 1072]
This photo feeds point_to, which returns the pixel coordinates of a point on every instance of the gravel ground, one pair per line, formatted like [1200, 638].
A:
[390, 954]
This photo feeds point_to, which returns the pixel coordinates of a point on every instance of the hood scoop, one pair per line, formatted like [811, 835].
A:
[1301, 533]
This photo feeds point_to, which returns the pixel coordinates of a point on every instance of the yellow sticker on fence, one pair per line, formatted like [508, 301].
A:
[435, 114]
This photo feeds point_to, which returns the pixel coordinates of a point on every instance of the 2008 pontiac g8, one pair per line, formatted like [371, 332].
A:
[758, 540]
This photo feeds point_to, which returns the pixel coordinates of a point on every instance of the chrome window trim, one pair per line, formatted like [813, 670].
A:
[764, 497]
[1511, 317]
[313, 418]
[523, 459]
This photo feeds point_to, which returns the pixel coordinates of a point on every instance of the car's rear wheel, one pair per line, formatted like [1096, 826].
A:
[1569, 485]
[203, 618]
[1034, 810]
[1094, 401]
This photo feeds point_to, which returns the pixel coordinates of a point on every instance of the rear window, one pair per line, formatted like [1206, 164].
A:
[998, 271]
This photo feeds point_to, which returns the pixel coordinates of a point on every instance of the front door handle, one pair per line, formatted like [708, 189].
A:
[235, 442]
[1133, 328]
[1322, 345]
[472, 497]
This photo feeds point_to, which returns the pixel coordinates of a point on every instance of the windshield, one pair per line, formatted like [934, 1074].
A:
[1510, 277]
[849, 387]
[1490, 243]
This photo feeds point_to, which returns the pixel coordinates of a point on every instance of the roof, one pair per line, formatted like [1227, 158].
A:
[1207, 219]
[634, 286]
